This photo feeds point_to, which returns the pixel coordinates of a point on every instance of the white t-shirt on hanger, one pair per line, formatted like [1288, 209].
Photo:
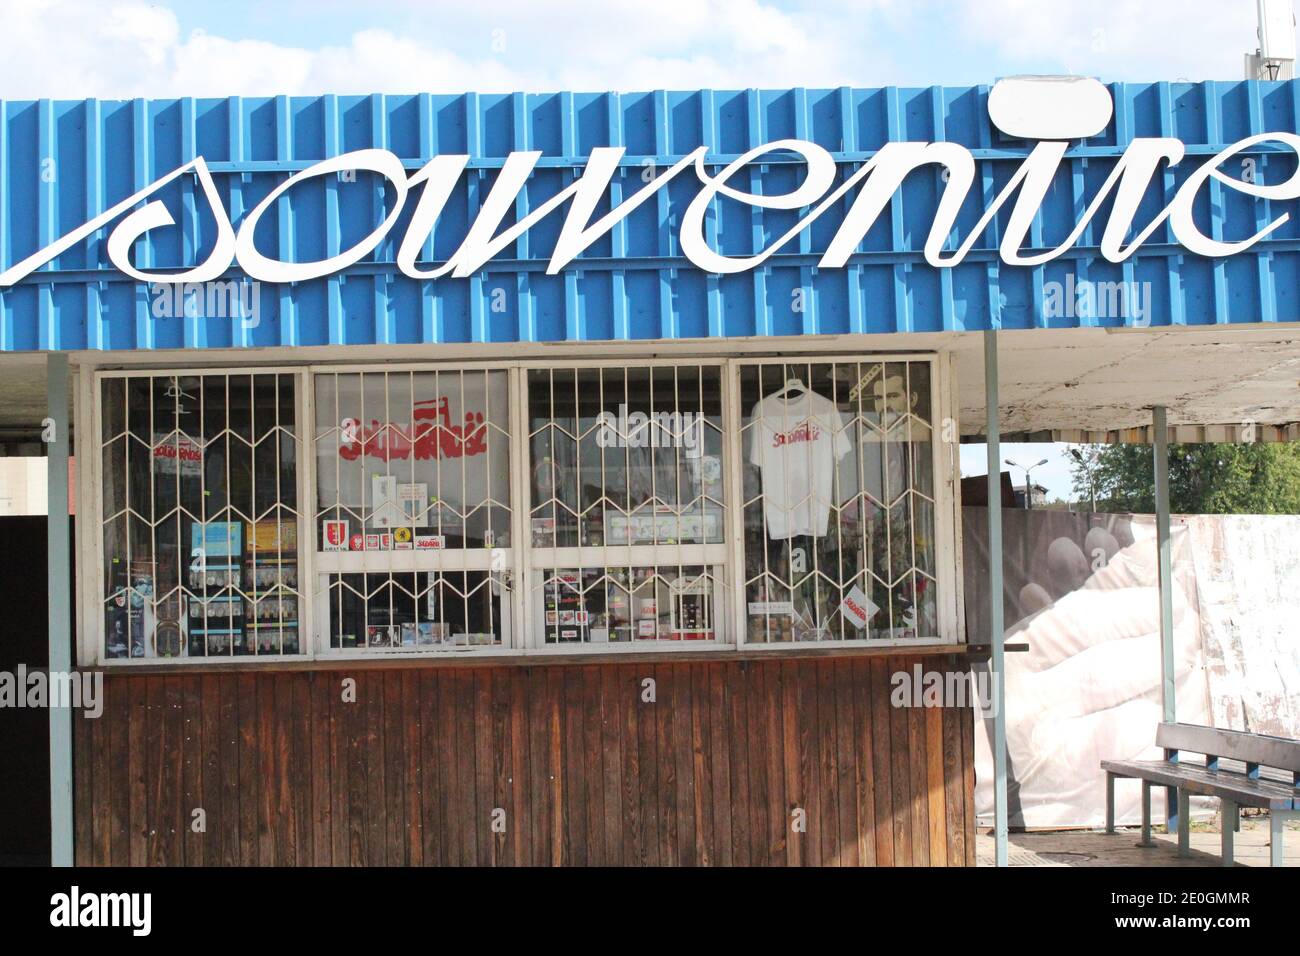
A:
[795, 444]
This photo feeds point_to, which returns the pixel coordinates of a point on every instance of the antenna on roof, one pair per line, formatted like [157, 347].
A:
[1275, 58]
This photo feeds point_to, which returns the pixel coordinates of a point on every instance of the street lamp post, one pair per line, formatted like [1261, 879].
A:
[1087, 469]
[1029, 488]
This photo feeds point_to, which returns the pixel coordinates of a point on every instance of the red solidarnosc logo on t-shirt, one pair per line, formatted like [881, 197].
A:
[805, 431]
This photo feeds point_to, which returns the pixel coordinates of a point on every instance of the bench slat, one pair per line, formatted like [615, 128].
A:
[1195, 779]
[1279, 752]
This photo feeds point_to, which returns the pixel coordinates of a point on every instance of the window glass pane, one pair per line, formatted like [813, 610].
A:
[429, 610]
[200, 515]
[838, 492]
[418, 459]
[625, 456]
[413, 508]
[626, 520]
[598, 605]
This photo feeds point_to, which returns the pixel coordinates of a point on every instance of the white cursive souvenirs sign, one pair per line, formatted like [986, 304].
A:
[1051, 111]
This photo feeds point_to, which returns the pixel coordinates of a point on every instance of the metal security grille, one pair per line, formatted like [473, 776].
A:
[199, 522]
[839, 500]
[668, 503]
[626, 520]
[413, 514]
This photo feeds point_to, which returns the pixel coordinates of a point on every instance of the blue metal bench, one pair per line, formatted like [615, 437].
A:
[1235, 789]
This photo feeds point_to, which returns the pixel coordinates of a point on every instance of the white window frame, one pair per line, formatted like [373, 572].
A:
[525, 639]
[383, 562]
[91, 532]
[715, 556]
[946, 491]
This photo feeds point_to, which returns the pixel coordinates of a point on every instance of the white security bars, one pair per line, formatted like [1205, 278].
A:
[839, 501]
[413, 509]
[572, 507]
[199, 515]
[626, 520]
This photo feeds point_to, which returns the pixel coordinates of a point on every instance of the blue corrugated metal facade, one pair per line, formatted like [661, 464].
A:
[64, 162]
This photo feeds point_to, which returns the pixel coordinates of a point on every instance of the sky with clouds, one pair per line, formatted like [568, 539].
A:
[79, 48]
[70, 49]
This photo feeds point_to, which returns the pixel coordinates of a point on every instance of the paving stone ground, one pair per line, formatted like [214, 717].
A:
[1098, 848]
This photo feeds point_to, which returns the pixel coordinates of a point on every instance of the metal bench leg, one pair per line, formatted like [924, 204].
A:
[1276, 821]
[1110, 803]
[1184, 823]
[1146, 815]
[1228, 827]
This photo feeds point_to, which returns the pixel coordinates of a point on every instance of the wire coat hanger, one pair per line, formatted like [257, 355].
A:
[791, 385]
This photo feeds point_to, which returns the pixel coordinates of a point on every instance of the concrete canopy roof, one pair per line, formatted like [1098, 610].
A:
[1056, 384]
[1099, 384]
[22, 398]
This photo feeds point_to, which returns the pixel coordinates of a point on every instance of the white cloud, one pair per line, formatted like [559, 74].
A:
[207, 65]
[132, 49]
[1118, 39]
[378, 61]
[79, 48]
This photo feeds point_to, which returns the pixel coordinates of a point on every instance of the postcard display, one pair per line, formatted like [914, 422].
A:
[271, 579]
[216, 623]
[410, 463]
[185, 458]
[238, 599]
[839, 502]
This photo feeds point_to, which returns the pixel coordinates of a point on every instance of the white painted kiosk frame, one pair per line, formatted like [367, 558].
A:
[521, 559]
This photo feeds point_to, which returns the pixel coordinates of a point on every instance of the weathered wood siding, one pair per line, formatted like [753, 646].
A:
[585, 771]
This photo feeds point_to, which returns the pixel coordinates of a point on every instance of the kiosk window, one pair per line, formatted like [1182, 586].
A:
[200, 515]
[839, 501]
[413, 509]
[626, 519]
[495, 507]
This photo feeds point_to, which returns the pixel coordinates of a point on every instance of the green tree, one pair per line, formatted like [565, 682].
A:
[1203, 479]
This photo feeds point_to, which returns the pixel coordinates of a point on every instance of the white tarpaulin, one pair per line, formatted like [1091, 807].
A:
[1248, 581]
[1083, 593]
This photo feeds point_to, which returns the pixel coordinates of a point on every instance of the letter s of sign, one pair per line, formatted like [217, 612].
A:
[258, 266]
[137, 224]
[155, 214]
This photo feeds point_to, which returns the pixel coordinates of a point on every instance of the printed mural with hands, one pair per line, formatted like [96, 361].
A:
[1087, 603]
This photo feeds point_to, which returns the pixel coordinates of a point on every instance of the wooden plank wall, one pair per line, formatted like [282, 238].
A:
[584, 770]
